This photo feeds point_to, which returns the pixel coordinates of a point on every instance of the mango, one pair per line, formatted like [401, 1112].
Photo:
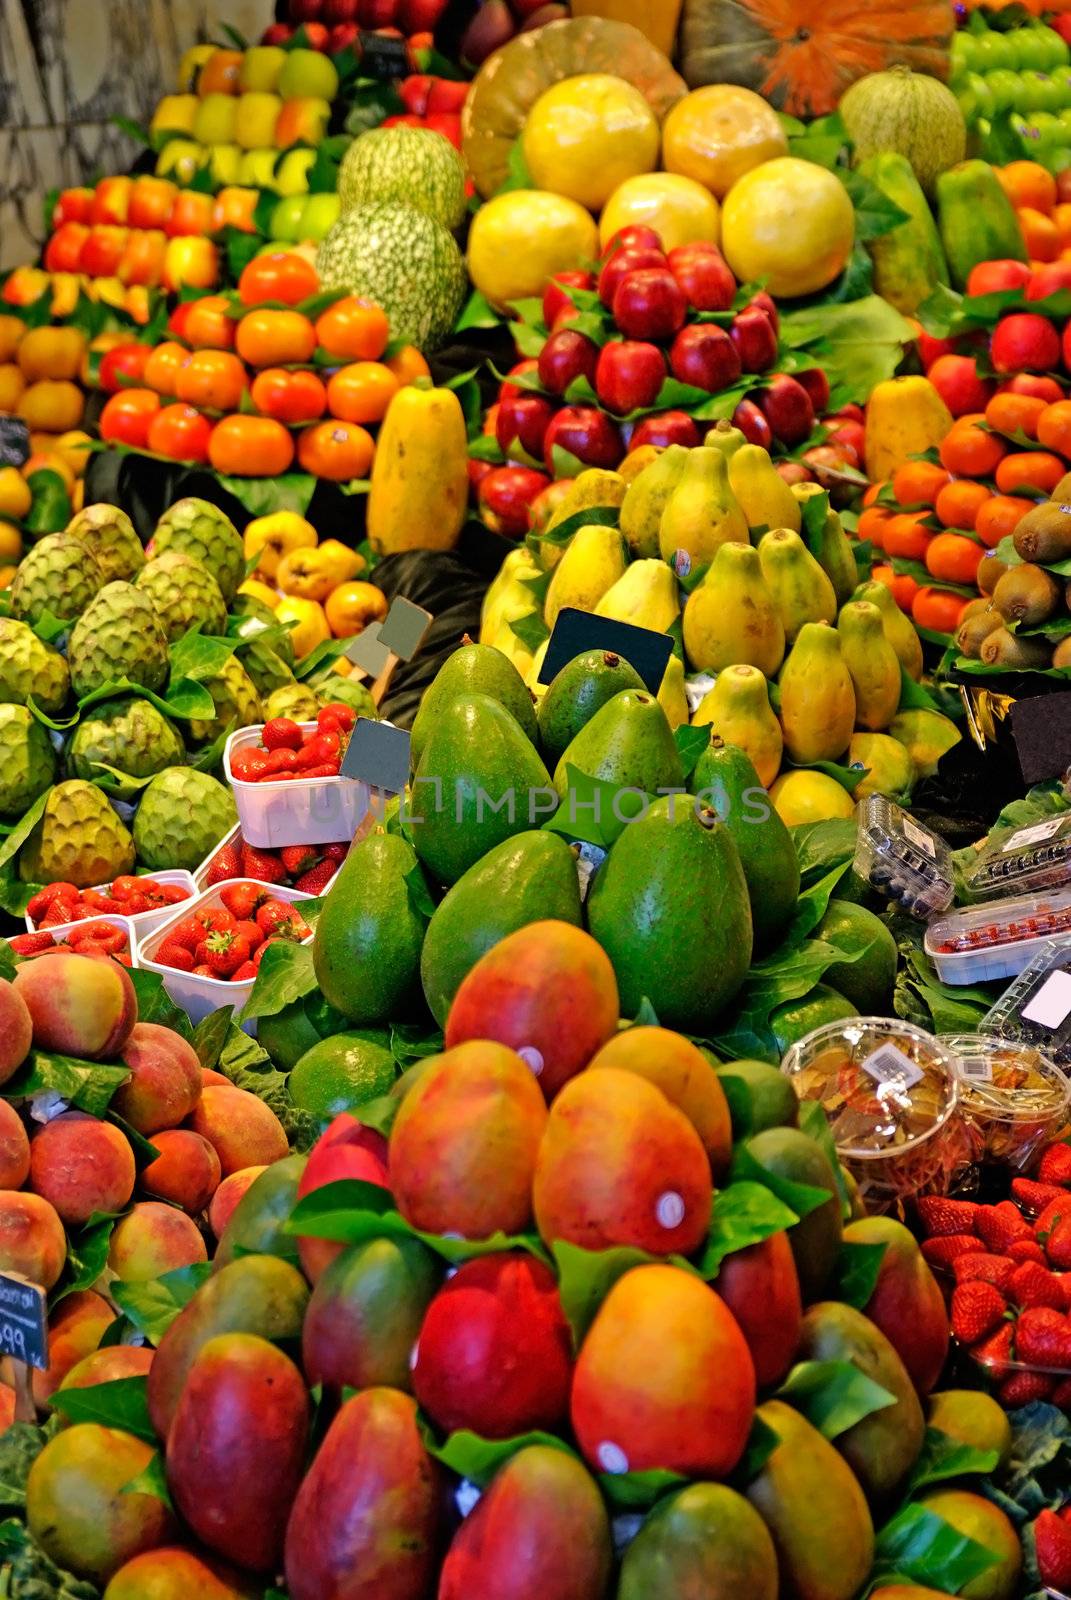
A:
[987, 1525]
[760, 1286]
[75, 1329]
[759, 1097]
[540, 1528]
[907, 1303]
[257, 1221]
[974, 1418]
[815, 1511]
[815, 1239]
[365, 1314]
[176, 1574]
[345, 1149]
[364, 1524]
[244, 1405]
[682, 1072]
[704, 1541]
[664, 1379]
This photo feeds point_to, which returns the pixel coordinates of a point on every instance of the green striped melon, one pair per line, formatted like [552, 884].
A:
[411, 166]
[909, 113]
[403, 260]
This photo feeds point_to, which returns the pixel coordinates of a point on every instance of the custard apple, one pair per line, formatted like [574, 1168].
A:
[80, 839]
[236, 701]
[267, 670]
[59, 575]
[27, 760]
[182, 816]
[254, 616]
[334, 689]
[28, 667]
[131, 736]
[293, 700]
[184, 594]
[108, 534]
[117, 636]
[201, 530]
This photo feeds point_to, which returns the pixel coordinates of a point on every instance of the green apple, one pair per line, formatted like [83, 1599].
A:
[1062, 78]
[287, 220]
[308, 72]
[224, 163]
[180, 159]
[215, 119]
[964, 55]
[257, 169]
[1029, 49]
[1006, 87]
[261, 67]
[292, 176]
[258, 113]
[983, 95]
[320, 215]
[993, 50]
[1040, 93]
[1054, 49]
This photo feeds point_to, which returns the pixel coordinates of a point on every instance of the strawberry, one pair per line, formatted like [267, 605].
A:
[203, 970]
[1055, 1164]
[249, 931]
[979, 1267]
[1023, 1387]
[187, 933]
[1001, 1225]
[1043, 1338]
[226, 863]
[995, 1352]
[249, 766]
[281, 733]
[1051, 1215]
[271, 913]
[336, 852]
[174, 955]
[168, 894]
[106, 934]
[976, 1310]
[40, 902]
[299, 858]
[215, 919]
[1034, 1197]
[1052, 1542]
[263, 865]
[1032, 1285]
[335, 714]
[281, 761]
[941, 1252]
[329, 769]
[225, 952]
[245, 973]
[1026, 1250]
[1058, 1245]
[242, 899]
[316, 881]
[98, 900]
[58, 913]
[940, 1216]
[1061, 1396]
[31, 944]
[126, 886]
[324, 747]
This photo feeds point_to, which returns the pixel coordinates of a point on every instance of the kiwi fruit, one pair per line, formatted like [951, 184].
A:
[1062, 492]
[1003, 649]
[975, 629]
[989, 570]
[1044, 534]
[1027, 594]
[1061, 656]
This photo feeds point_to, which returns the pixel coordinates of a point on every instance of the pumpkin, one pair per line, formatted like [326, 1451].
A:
[910, 114]
[510, 82]
[802, 55]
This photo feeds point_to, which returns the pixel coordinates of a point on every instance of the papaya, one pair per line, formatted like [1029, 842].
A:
[976, 219]
[420, 482]
[904, 417]
[704, 1541]
[909, 261]
[815, 1239]
[646, 497]
[257, 1223]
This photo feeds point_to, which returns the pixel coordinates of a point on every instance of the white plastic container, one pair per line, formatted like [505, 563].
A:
[143, 921]
[299, 810]
[195, 994]
[200, 875]
[59, 933]
[996, 940]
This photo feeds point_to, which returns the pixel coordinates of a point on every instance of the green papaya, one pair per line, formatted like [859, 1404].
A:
[909, 260]
[976, 219]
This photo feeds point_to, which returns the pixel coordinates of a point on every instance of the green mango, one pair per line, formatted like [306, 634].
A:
[868, 981]
[297, 1027]
[726, 779]
[759, 1097]
[257, 1221]
[581, 688]
[628, 742]
[472, 669]
[705, 1540]
[816, 1238]
[366, 949]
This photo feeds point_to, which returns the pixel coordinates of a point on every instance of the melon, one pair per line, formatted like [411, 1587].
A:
[403, 260]
[909, 113]
[408, 166]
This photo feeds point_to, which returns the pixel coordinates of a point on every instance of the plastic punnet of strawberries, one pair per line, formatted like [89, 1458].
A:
[286, 751]
[88, 939]
[127, 896]
[308, 867]
[228, 941]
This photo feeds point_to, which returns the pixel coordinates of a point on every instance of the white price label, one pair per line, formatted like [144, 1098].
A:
[1034, 835]
[1052, 1003]
[888, 1065]
[976, 1069]
[919, 837]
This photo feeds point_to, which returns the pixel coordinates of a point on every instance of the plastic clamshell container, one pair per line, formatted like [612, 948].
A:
[901, 859]
[1022, 861]
[1036, 1008]
[998, 939]
[143, 921]
[891, 1094]
[1012, 1098]
[60, 932]
[299, 810]
[200, 874]
[198, 995]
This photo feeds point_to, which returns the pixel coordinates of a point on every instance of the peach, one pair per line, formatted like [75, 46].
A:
[242, 1130]
[209, 1075]
[186, 1171]
[32, 1240]
[226, 1198]
[153, 1239]
[81, 1165]
[16, 1030]
[165, 1081]
[14, 1148]
[75, 1330]
[79, 1005]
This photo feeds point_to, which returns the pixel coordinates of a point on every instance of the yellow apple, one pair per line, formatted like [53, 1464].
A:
[258, 112]
[260, 591]
[311, 624]
[261, 67]
[180, 159]
[175, 113]
[224, 160]
[268, 539]
[215, 119]
[308, 73]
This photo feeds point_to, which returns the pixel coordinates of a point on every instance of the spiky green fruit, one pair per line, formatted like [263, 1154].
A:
[254, 616]
[79, 839]
[293, 700]
[27, 760]
[28, 667]
[117, 636]
[184, 594]
[110, 537]
[59, 575]
[236, 701]
[337, 690]
[201, 530]
[267, 670]
[131, 737]
[182, 816]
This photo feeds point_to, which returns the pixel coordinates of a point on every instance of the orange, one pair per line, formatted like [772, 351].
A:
[361, 392]
[959, 503]
[953, 557]
[718, 133]
[918, 483]
[336, 450]
[12, 383]
[1040, 234]
[355, 330]
[408, 365]
[968, 451]
[1030, 469]
[937, 609]
[289, 396]
[870, 495]
[999, 517]
[1062, 218]
[207, 324]
[907, 536]
[250, 447]
[901, 585]
[275, 338]
[1015, 413]
[1027, 183]
[1054, 427]
[54, 404]
[872, 523]
[213, 380]
[161, 369]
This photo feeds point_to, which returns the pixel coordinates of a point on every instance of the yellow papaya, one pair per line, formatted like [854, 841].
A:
[904, 418]
[420, 484]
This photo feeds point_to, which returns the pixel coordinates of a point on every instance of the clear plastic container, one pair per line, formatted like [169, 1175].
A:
[1023, 861]
[998, 939]
[200, 875]
[143, 921]
[891, 1094]
[1036, 1008]
[901, 859]
[1012, 1098]
[298, 810]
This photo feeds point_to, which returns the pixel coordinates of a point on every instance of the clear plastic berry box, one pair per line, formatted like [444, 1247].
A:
[296, 810]
[1024, 861]
[904, 861]
[201, 873]
[891, 1093]
[143, 921]
[1036, 1008]
[198, 995]
[998, 939]
[1013, 1099]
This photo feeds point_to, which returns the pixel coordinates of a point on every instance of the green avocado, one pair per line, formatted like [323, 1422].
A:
[366, 949]
[726, 779]
[582, 687]
[473, 669]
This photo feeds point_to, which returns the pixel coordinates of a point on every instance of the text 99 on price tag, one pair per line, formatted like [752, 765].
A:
[23, 1320]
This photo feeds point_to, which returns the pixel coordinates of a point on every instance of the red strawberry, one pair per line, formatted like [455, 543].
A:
[979, 1267]
[175, 955]
[249, 766]
[977, 1307]
[1001, 1225]
[1055, 1166]
[1052, 1213]
[226, 863]
[167, 894]
[1034, 1197]
[242, 899]
[126, 886]
[282, 733]
[187, 933]
[264, 865]
[329, 769]
[336, 852]
[203, 970]
[106, 934]
[335, 714]
[1032, 1285]
[995, 1352]
[1043, 1338]
[40, 902]
[1061, 1396]
[1026, 1250]
[1052, 1541]
[225, 952]
[1058, 1245]
[941, 1252]
[215, 919]
[940, 1216]
[258, 954]
[324, 747]
[58, 913]
[271, 913]
[280, 762]
[100, 900]
[31, 944]
[316, 881]
[249, 931]
[299, 858]
[1023, 1387]
[245, 973]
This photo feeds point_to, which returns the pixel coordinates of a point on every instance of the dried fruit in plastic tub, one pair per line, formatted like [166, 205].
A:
[1012, 1098]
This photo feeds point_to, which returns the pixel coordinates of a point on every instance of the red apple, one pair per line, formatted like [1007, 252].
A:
[828, 463]
[755, 340]
[333, 11]
[629, 375]
[851, 412]
[585, 433]
[816, 384]
[305, 10]
[1030, 383]
[704, 275]
[634, 237]
[794, 472]
[342, 36]
[505, 494]
[752, 424]
[420, 16]
[63, 252]
[524, 418]
[111, 200]
[491, 27]
[372, 13]
[852, 434]
[103, 250]
[278, 33]
[931, 349]
[991, 277]
[786, 405]
[1049, 279]
[623, 262]
[1024, 342]
[764, 303]
[509, 390]
[73, 205]
[565, 357]
[957, 381]
[704, 355]
[650, 304]
[668, 427]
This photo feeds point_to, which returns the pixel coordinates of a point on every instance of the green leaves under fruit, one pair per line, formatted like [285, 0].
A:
[858, 344]
[89, 1085]
[858, 1266]
[285, 974]
[153, 1307]
[743, 1214]
[802, 1198]
[478, 1459]
[921, 1546]
[833, 1395]
[122, 1403]
[943, 1457]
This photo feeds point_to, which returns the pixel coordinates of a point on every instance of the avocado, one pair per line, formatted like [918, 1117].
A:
[726, 779]
[366, 948]
[575, 693]
[867, 982]
[628, 742]
[472, 669]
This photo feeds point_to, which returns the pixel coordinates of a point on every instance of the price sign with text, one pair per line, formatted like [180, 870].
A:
[23, 1320]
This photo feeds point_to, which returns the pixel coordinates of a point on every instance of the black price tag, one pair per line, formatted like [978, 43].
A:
[378, 754]
[23, 1320]
[383, 57]
[578, 631]
[368, 652]
[404, 628]
[14, 442]
[1041, 728]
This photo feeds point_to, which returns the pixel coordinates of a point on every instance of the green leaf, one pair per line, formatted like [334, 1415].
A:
[585, 1278]
[351, 1211]
[477, 312]
[833, 1395]
[761, 1444]
[815, 1124]
[875, 213]
[691, 743]
[858, 1266]
[517, 174]
[599, 516]
[87, 1256]
[913, 697]
[820, 141]
[743, 1214]
[418, 892]
[943, 1457]
[411, 1042]
[927, 1550]
[123, 1403]
[285, 974]
[248, 1066]
[151, 1480]
[199, 656]
[814, 511]
[637, 1491]
[802, 1198]
[89, 1085]
[210, 1034]
[133, 130]
[858, 344]
[155, 1004]
[20, 1445]
[152, 1307]
[145, 1152]
[590, 811]
[478, 1459]
[22, 830]
[531, 630]
[379, 1114]
[291, 491]
[646, 1015]
[28, 1574]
